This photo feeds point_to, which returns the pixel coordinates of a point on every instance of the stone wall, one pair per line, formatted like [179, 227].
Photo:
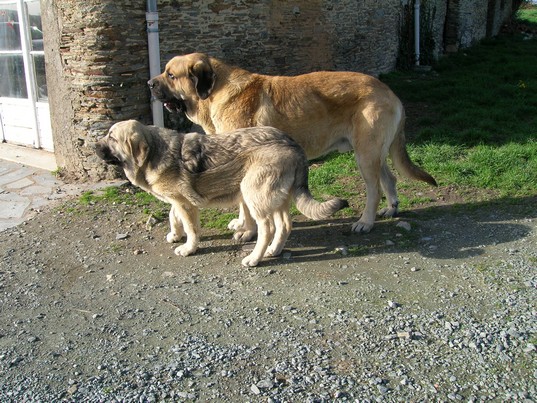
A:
[97, 63]
[97, 70]
[285, 37]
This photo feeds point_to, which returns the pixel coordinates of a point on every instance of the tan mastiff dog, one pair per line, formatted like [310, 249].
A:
[321, 111]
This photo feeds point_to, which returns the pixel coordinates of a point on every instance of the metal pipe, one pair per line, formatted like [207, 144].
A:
[417, 31]
[151, 17]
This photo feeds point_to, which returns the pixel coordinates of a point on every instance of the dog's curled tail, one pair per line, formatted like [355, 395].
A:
[304, 200]
[315, 210]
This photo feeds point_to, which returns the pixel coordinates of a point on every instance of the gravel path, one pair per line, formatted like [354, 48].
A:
[439, 305]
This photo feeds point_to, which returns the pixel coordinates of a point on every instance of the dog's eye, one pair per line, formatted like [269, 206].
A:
[171, 76]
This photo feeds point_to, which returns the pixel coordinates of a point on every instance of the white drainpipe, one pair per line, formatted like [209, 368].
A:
[417, 30]
[151, 17]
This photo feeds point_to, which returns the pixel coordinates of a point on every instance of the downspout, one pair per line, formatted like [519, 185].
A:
[417, 31]
[151, 17]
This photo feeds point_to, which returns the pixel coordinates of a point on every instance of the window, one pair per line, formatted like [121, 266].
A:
[21, 41]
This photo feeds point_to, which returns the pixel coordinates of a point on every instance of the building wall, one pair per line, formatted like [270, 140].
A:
[285, 37]
[97, 68]
[97, 63]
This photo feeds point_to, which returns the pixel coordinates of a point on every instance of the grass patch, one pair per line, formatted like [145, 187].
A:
[327, 177]
[472, 120]
[150, 205]
[130, 196]
[527, 15]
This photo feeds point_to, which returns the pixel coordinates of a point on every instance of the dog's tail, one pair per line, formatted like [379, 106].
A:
[402, 161]
[305, 202]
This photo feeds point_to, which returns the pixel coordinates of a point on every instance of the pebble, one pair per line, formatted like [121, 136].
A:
[265, 384]
[405, 225]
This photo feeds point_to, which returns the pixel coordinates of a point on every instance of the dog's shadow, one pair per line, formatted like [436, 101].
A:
[456, 231]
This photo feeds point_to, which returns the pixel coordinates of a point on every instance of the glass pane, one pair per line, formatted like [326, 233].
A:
[12, 82]
[41, 82]
[9, 27]
[35, 27]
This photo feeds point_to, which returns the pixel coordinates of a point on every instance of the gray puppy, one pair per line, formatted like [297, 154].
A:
[260, 167]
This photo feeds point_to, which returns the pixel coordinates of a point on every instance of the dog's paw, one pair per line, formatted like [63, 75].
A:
[273, 251]
[361, 227]
[243, 236]
[250, 261]
[172, 237]
[185, 250]
[235, 224]
[388, 212]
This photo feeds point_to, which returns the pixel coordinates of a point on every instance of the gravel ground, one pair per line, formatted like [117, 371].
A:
[438, 305]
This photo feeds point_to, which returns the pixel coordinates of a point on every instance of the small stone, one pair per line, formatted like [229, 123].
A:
[382, 389]
[529, 348]
[138, 252]
[405, 225]
[72, 389]
[255, 389]
[404, 335]
[392, 304]
[121, 236]
[342, 250]
[389, 242]
[265, 384]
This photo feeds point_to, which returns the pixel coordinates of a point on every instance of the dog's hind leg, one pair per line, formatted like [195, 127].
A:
[176, 227]
[244, 226]
[388, 183]
[283, 226]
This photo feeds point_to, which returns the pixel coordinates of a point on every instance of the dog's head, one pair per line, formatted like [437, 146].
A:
[126, 145]
[186, 78]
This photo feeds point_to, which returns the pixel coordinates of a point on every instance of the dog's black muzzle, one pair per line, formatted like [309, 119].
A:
[162, 94]
[104, 153]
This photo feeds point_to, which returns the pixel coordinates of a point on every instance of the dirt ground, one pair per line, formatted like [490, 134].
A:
[96, 307]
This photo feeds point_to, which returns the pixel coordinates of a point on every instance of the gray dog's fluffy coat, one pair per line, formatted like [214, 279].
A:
[260, 167]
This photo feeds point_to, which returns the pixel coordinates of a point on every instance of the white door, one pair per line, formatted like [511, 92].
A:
[24, 110]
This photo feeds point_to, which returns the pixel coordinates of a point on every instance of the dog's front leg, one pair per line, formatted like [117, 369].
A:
[244, 226]
[189, 216]
[176, 227]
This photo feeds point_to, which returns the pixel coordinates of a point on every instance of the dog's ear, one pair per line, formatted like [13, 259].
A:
[202, 75]
[139, 149]
[140, 154]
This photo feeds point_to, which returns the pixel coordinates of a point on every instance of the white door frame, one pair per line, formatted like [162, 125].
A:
[37, 128]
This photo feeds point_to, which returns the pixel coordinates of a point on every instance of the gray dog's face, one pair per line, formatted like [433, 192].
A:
[125, 145]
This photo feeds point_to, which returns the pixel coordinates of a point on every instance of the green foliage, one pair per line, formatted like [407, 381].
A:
[476, 124]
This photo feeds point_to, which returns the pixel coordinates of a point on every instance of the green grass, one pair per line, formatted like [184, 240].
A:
[149, 205]
[528, 15]
[473, 119]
